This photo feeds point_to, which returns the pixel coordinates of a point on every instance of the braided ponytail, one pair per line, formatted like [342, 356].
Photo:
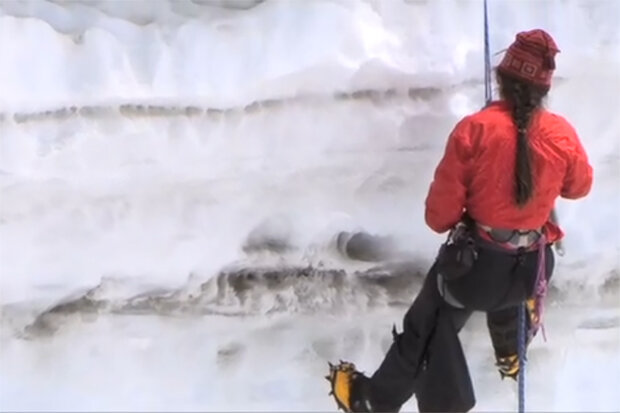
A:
[524, 99]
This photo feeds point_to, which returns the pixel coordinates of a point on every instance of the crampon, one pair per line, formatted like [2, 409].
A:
[349, 387]
[508, 366]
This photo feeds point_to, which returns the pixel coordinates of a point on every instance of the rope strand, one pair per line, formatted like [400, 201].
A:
[522, 348]
[522, 328]
[488, 93]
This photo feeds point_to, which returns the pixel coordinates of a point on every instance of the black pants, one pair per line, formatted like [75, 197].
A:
[497, 285]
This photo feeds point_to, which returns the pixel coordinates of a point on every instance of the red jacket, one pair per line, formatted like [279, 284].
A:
[476, 173]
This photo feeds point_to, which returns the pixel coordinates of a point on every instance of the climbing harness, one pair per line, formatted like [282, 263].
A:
[510, 238]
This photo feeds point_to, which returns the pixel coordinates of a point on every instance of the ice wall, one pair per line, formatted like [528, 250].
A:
[148, 138]
[75, 52]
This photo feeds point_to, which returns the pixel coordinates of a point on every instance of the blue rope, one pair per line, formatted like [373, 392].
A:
[488, 93]
[522, 355]
[522, 327]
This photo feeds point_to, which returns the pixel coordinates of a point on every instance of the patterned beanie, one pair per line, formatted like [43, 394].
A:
[531, 58]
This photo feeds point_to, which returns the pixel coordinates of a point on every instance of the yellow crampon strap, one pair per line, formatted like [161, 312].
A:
[341, 377]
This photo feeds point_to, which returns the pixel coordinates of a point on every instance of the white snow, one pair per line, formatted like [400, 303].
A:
[141, 141]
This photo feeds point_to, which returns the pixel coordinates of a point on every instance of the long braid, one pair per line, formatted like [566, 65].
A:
[525, 99]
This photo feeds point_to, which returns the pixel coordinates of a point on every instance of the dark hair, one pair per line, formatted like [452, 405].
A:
[524, 99]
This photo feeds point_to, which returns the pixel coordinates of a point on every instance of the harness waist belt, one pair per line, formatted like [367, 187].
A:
[511, 238]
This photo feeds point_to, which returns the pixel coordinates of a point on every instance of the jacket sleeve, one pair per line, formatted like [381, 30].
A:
[579, 174]
[445, 202]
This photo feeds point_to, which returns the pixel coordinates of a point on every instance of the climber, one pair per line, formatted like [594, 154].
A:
[493, 192]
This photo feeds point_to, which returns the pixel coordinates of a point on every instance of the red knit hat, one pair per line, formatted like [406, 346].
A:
[531, 58]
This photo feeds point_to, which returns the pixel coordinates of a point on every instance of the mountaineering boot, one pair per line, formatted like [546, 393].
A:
[350, 388]
[508, 366]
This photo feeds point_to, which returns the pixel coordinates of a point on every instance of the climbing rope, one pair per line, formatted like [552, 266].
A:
[488, 93]
[522, 347]
[522, 327]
